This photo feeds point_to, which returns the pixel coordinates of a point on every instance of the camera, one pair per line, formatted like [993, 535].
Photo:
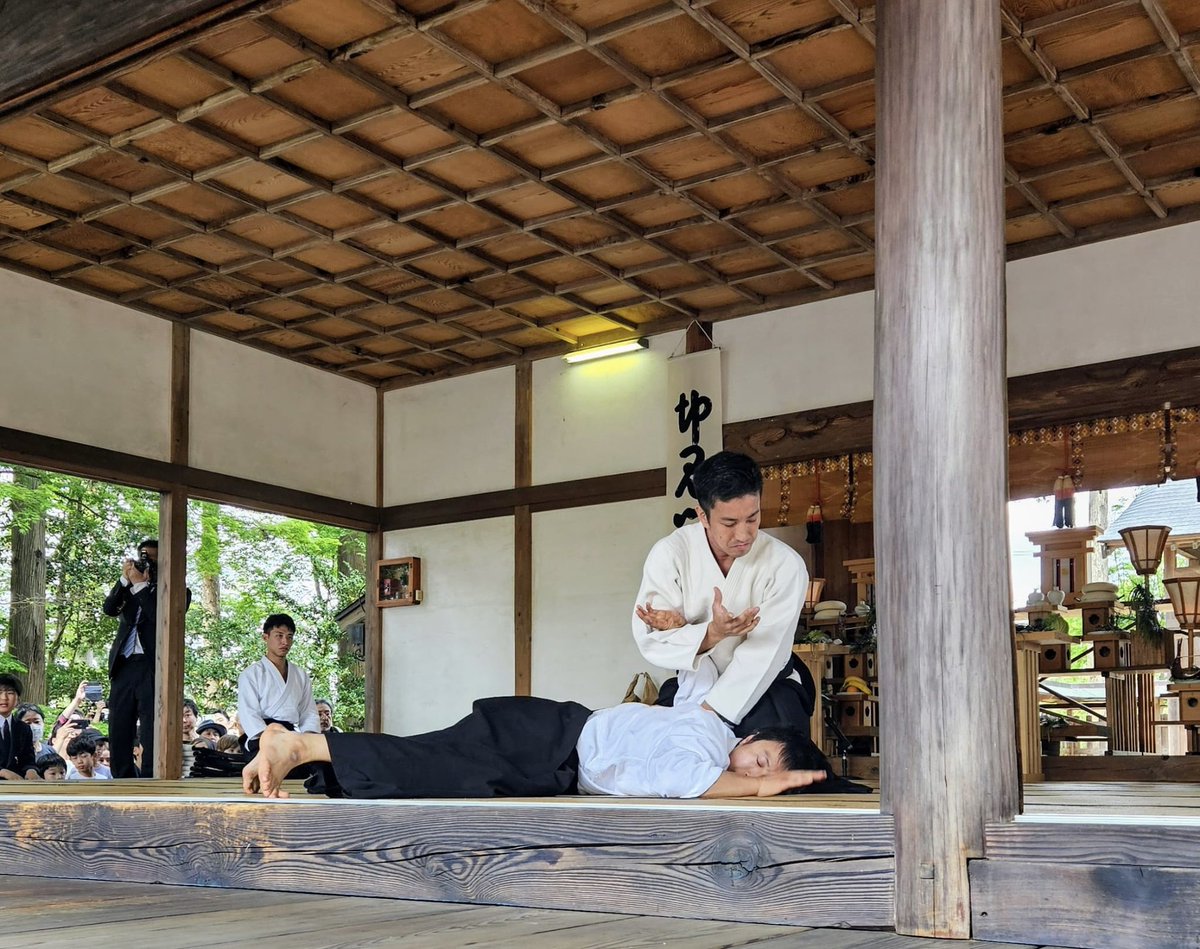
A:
[93, 691]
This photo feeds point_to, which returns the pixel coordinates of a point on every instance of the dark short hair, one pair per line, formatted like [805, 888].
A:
[323, 702]
[278, 619]
[149, 542]
[799, 753]
[47, 761]
[188, 703]
[7, 679]
[80, 745]
[25, 708]
[725, 476]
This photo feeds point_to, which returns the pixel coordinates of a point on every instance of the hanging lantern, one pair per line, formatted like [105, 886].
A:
[1145, 546]
[812, 527]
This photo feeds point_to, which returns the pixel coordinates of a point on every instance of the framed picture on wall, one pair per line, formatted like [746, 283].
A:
[398, 582]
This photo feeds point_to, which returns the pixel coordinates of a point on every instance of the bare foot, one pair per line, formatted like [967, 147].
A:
[250, 776]
[279, 751]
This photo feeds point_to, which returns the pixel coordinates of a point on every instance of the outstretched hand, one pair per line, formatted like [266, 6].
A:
[784, 781]
[724, 624]
[661, 620]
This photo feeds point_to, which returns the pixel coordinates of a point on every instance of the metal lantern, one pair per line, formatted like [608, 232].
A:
[1185, 601]
[1145, 546]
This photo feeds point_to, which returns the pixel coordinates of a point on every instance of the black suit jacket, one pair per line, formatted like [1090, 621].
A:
[125, 604]
[18, 756]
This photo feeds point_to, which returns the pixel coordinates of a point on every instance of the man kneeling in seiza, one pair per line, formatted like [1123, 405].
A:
[519, 746]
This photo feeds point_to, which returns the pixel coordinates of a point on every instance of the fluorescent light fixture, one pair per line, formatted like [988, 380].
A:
[611, 349]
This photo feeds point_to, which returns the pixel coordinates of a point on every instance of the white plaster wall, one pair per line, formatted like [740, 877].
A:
[70, 365]
[587, 566]
[450, 438]
[258, 416]
[801, 357]
[602, 417]
[457, 645]
[1116, 298]
[1105, 301]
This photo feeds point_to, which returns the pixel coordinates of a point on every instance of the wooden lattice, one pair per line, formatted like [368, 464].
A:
[405, 191]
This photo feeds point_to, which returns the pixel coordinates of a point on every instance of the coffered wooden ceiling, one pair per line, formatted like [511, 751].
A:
[403, 191]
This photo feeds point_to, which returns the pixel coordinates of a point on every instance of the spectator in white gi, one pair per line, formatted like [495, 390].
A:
[274, 690]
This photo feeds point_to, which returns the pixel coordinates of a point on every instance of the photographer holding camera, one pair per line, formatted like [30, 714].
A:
[131, 660]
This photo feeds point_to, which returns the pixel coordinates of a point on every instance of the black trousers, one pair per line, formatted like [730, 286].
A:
[786, 701]
[130, 700]
[511, 746]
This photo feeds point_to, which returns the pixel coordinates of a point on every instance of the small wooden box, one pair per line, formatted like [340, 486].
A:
[1054, 657]
[1189, 700]
[1110, 650]
[1096, 616]
[835, 667]
[855, 710]
[398, 582]
[861, 664]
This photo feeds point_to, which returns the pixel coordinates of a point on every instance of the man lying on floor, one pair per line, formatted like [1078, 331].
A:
[529, 747]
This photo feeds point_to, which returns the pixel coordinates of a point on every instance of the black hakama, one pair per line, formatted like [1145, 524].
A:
[511, 746]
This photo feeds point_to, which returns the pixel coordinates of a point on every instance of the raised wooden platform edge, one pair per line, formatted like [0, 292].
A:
[1088, 906]
[785, 865]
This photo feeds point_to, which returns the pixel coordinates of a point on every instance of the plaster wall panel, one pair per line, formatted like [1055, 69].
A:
[1124, 297]
[603, 417]
[450, 438]
[457, 645]
[1117, 298]
[798, 358]
[587, 566]
[258, 416]
[81, 369]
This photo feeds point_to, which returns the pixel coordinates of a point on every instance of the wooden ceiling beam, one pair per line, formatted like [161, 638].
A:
[1039, 60]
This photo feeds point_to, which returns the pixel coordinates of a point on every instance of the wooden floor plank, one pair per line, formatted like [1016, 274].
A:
[190, 918]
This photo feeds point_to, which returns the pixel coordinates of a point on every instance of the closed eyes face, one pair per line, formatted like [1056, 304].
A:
[755, 758]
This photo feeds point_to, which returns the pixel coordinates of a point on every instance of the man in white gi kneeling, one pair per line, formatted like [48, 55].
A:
[273, 690]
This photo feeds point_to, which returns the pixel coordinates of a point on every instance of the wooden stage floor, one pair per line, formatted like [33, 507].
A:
[41, 913]
[1112, 865]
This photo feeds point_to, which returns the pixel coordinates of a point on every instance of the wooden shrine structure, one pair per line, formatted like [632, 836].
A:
[405, 193]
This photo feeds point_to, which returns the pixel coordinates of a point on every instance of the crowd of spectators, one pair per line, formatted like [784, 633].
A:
[76, 748]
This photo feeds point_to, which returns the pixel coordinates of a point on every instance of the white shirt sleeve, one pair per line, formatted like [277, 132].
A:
[661, 587]
[250, 711]
[762, 655]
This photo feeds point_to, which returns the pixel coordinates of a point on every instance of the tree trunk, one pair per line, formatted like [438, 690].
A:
[208, 559]
[1098, 517]
[351, 558]
[27, 613]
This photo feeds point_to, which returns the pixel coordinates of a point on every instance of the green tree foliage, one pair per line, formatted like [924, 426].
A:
[256, 564]
[268, 564]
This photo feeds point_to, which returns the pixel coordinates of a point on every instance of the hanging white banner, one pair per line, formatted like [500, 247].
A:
[694, 405]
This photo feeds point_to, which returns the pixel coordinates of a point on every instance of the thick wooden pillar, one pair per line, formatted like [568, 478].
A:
[172, 610]
[172, 572]
[373, 640]
[523, 535]
[372, 614]
[946, 656]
